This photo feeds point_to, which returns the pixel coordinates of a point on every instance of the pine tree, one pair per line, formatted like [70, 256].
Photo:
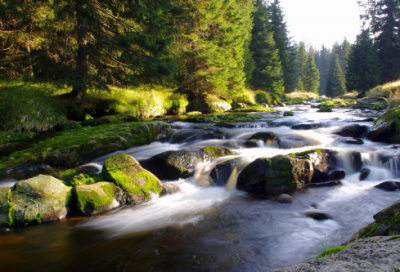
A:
[324, 63]
[383, 17]
[267, 74]
[283, 44]
[363, 71]
[345, 49]
[301, 65]
[335, 84]
[312, 77]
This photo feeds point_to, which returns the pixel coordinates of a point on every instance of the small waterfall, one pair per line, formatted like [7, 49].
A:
[231, 185]
[393, 165]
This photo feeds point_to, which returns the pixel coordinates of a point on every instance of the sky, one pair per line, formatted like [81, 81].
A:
[322, 22]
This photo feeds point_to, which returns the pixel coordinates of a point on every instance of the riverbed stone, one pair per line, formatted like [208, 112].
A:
[41, 198]
[97, 198]
[355, 131]
[371, 103]
[388, 186]
[126, 173]
[173, 165]
[265, 136]
[318, 216]
[386, 128]
[284, 198]
[364, 174]
[290, 141]
[306, 126]
[4, 202]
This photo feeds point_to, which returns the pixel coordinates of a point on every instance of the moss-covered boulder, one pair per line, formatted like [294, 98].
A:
[325, 109]
[25, 172]
[68, 149]
[386, 128]
[387, 223]
[273, 175]
[126, 172]
[97, 198]
[4, 204]
[288, 113]
[111, 119]
[264, 136]
[208, 104]
[355, 131]
[42, 198]
[174, 165]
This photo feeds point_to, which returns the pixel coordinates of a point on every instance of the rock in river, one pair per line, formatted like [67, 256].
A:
[355, 131]
[389, 185]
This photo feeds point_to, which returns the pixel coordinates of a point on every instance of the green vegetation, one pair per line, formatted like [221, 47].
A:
[93, 198]
[288, 113]
[336, 82]
[255, 109]
[294, 101]
[337, 103]
[331, 251]
[391, 115]
[215, 118]
[216, 151]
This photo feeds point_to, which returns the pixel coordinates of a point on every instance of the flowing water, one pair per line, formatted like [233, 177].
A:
[217, 228]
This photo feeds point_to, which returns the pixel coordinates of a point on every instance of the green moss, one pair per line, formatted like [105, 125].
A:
[175, 170]
[325, 109]
[216, 151]
[151, 182]
[194, 113]
[393, 115]
[288, 113]
[305, 154]
[126, 183]
[9, 210]
[338, 102]
[331, 251]
[369, 231]
[294, 101]
[33, 220]
[92, 201]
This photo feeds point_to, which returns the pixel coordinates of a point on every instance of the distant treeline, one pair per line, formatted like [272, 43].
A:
[200, 46]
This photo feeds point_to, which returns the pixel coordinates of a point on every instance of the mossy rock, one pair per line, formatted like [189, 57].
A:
[251, 144]
[112, 119]
[288, 113]
[354, 131]
[386, 128]
[217, 151]
[96, 198]
[325, 109]
[264, 136]
[194, 113]
[275, 175]
[125, 172]
[68, 149]
[4, 202]
[255, 109]
[208, 104]
[42, 198]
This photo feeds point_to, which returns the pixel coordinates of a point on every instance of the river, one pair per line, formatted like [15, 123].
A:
[212, 228]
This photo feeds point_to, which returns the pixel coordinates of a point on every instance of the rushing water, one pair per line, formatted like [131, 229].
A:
[212, 228]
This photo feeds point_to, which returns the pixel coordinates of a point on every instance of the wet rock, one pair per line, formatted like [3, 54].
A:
[353, 141]
[188, 136]
[284, 198]
[208, 104]
[356, 161]
[25, 172]
[288, 113]
[283, 122]
[290, 141]
[126, 173]
[4, 205]
[264, 136]
[324, 184]
[221, 173]
[318, 216]
[97, 198]
[274, 175]
[389, 185]
[306, 126]
[169, 189]
[232, 145]
[385, 128]
[226, 125]
[42, 198]
[364, 174]
[355, 131]
[337, 174]
[173, 165]
[251, 144]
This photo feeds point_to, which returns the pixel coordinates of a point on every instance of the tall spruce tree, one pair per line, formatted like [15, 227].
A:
[312, 77]
[210, 45]
[267, 74]
[345, 49]
[383, 17]
[323, 67]
[301, 66]
[335, 84]
[363, 72]
[284, 45]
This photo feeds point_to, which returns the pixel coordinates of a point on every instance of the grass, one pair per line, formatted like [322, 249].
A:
[390, 90]
[301, 95]
[255, 109]
[330, 251]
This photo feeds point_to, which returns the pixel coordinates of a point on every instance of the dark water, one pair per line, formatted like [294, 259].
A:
[211, 229]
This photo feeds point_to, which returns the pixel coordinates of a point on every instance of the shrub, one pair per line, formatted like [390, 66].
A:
[263, 97]
[244, 96]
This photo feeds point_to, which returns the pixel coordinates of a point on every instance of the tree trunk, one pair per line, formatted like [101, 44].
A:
[29, 59]
[80, 86]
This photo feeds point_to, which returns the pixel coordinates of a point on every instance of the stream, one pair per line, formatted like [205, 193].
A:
[217, 228]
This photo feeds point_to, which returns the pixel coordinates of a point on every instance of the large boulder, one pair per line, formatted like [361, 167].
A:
[4, 204]
[275, 175]
[387, 222]
[126, 173]
[372, 103]
[306, 126]
[289, 141]
[208, 104]
[386, 128]
[42, 198]
[174, 165]
[97, 198]
[355, 131]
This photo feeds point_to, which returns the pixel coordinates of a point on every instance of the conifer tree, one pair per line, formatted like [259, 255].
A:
[283, 44]
[267, 74]
[301, 65]
[335, 84]
[312, 77]
[383, 17]
[324, 63]
[363, 71]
